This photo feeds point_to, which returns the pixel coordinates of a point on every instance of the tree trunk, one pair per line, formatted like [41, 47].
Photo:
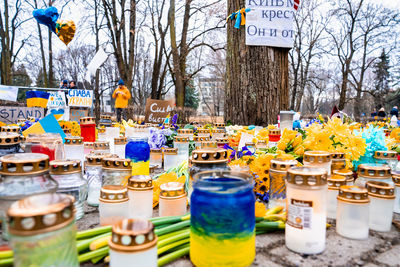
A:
[51, 74]
[257, 84]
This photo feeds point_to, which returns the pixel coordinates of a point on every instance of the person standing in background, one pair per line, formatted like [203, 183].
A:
[394, 112]
[72, 85]
[122, 96]
[374, 113]
[382, 113]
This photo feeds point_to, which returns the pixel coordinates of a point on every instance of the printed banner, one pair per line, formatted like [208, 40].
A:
[10, 115]
[9, 93]
[157, 110]
[270, 23]
[80, 98]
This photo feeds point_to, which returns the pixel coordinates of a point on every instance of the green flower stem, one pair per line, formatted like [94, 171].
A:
[172, 234]
[173, 238]
[6, 254]
[93, 254]
[93, 232]
[172, 228]
[172, 245]
[84, 244]
[97, 259]
[6, 262]
[173, 256]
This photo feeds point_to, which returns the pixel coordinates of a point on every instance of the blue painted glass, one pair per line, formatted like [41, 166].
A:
[138, 151]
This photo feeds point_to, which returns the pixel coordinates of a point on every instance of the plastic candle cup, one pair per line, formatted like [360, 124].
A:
[306, 190]
[119, 146]
[10, 129]
[185, 133]
[133, 243]
[198, 139]
[182, 144]
[140, 193]
[261, 144]
[88, 147]
[173, 200]
[22, 175]
[318, 159]
[138, 151]
[222, 141]
[9, 143]
[203, 133]
[116, 171]
[277, 187]
[42, 231]
[346, 173]
[101, 147]
[114, 204]
[334, 182]
[88, 129]
[50, 144]
[387, 157]
[156, 157]
[338, 161]
[74, 148]
[217, 133]
[373, 172]
[396, 181]
[170, 158]
[352, 217]
[222, 219]
[274, 135]
[101, 134]
[209, 144]
[381, 207]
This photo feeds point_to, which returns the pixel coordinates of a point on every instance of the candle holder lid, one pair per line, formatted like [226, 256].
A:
[353, 194]
[170, 151]
[374, 171]
[133, 235]
[338, 164]
[261, 141]
[181, 139]
[201, 138]
[250, 144]
[317, 156]
[105, 117]
[389, 154]
[88, 145]
[282, 164]
[73, 140]
[156, 150]
[396, 177]
[24, 164]
[337, 155]
[218, 131]
[172, 190]
[9, 138]
[219, 125]
[222, 140]
[203, 131]
[208, 144]
[101, 130]
[185, 131]
[346, 173]
[209, 155]
[120, 140]
[10, 128]
[380, 190]
[113, 194]
[336, 181]
[274, 132]
[306, 176]
[42, 213]
[95, 158]
[116, 164]
[87, 120]
[140, 183]
[65, 166]
[101, 145]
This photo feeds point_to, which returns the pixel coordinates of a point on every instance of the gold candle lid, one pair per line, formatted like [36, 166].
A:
[222, 140]
[24, 164]
[306, 176]
[10, 128]
[88, 145]
[9, 138]
[105, 117]
[120, 141]
[172, 190]
[101, 145]
[380, 189]
[73, 140]
[218, 131]
[346, 173]
[87, 120]
[132, 235]
[337, 156]
[41, 213]
[374, 171]
[249, 144]
[185, 131]
[274, 132]
[338, 164]
[396, 177]
[170, 151]
[353, 194]
[201, 138]
[208, 144]
[261, 141]
[156, 150]
[220, 125]
[65, 166]
[93, 159]
[203, 131]
[140, 183]
[390, 154]
[116, 164]
[336, 181]
[317, 156]
[282, 164]
[67, 131]
[113, 194]
[181, 139]
[209, 155]
[101, 130]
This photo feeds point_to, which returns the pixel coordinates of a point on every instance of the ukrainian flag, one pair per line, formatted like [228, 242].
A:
[48, 124]
[37, 99]
[166, 121]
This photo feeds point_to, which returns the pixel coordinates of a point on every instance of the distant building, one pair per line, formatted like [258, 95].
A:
[212, 96]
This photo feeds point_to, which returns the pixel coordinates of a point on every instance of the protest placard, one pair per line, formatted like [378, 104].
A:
[80, 98]
[12, 114]
[76, 114]
[157, 110]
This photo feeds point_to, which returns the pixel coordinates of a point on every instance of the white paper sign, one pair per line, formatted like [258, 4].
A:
[9, 93]
[56, 99]
[80, 98]
[270, 23]
[245, 138]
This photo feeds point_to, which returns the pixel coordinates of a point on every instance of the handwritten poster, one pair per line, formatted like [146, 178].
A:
[76, 114]
[80, 98]
[157, 110]
[56, 99]
[270, 23]
[12, 114]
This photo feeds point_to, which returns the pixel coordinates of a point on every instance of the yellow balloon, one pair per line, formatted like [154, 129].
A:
[65, 30]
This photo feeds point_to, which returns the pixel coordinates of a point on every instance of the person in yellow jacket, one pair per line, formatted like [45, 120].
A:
[121, 95]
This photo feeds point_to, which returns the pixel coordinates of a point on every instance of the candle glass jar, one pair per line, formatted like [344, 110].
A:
[9, 143]
[334, 182]
[119, 146]
[277, 187]
[217, 133]
[318, 159]
[338, 161]
[306, 190]
[222, 141]
[286, 120]
[140, 193]
[352, 217]
[373, 172]
[68, 174]
[133, 241]
[50, 144]
[220, 125]
[88, 147]
[74, 148]
[114, 204]
[171, 159]
[10, 129]
[274, 135]
[138, 151]
[101, 147]
[173, 200]
[188, 133]
[222, 231]
[387, 157]
[182, 144]
[116, 171]
[396, 181]
[88, 129]
[381, 207]
[209, 144]
[346, 173]
[156, 157]
[262, 144]
[43, 232]
[101, 134]
[198, 139]
[204, 133]
[22, 175]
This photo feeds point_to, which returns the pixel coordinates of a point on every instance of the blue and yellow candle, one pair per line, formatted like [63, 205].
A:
[138, 151]
[222, 220]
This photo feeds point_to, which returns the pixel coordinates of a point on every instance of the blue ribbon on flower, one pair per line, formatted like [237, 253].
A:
[240, 17]
[238, 154]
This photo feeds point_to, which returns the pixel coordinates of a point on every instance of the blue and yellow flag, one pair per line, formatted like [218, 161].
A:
[166, 121]
[37, 99]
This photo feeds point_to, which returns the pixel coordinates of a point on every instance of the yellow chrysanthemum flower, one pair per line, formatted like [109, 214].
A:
[260, 209]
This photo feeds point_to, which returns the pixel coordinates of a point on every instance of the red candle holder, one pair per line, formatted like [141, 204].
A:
[88, 129]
